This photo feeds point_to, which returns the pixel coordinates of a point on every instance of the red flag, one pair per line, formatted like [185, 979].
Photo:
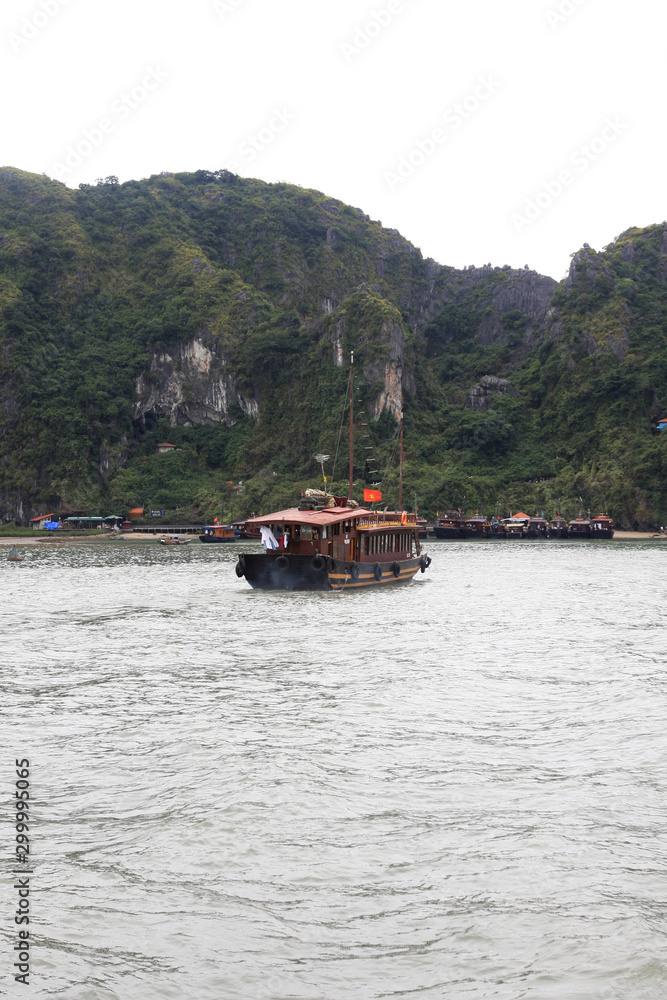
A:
[372, 496]
[215, 520]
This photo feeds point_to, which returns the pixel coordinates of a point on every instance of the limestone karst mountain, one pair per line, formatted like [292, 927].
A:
[218, 313]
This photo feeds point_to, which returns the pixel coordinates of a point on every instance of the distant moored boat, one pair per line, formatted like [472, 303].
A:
[602, 526]
[580, 527]
[558, 527]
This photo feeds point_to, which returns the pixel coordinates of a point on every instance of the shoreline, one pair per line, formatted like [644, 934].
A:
[619, 536]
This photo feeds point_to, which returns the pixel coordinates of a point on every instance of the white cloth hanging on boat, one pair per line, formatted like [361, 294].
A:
[269, 540]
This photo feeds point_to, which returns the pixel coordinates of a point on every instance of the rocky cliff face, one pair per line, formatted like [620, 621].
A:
[391, 371]
[481, 396]
[190, 385]
[503, 300]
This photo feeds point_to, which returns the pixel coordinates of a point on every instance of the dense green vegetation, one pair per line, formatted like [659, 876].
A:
[281, 283]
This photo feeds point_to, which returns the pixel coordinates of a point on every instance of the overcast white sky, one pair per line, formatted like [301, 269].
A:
[509, 131]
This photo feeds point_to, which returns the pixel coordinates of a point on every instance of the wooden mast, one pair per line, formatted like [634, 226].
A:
[400, 469]
[349, 489]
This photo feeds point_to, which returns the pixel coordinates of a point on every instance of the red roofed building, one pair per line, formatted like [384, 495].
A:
[38, 522]
[165, 447]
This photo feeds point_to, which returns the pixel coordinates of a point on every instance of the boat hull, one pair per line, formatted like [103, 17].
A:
[268, 571]
[444, 532]
[215, 538]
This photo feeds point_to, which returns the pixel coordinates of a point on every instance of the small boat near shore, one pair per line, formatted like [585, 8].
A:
[450, 526]
[537, 527]
[475, 526]
[516, 526]
[602, 526]
[558, 527]
[174, 540]
[579, 527]
[219, 533]
[14, 555]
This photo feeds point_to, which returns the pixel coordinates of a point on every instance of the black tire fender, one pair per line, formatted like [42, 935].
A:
[424, 563]
[240, 567]
[377, 572]
[318, 563]
[282, 563]
[331, 565]
[354, 571]
[396, 569]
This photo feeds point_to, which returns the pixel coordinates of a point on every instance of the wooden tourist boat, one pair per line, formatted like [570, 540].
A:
[496, 529]
[219, 533]
[337, 548]
[475, 526]
[580, 527]
[451, 525]
[330, 543]
[516, 526]
[246, 531]
[558, 527]
[602, 526]
[537, 527]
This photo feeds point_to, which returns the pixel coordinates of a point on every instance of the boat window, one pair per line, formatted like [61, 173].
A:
[324, 533]
[306, 531]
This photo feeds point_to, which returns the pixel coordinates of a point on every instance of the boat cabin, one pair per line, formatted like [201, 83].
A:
[226, 531]
[350, 534]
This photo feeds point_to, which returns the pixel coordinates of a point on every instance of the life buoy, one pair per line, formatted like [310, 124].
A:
[282, 563]
[377, 572]
[404, 517]
[318, 563]
[354, 571]
[396, 569]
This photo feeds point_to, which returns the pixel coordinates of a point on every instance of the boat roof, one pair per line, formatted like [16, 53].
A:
[318, 518]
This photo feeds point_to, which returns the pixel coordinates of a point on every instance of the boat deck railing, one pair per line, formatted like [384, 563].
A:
[390, 520]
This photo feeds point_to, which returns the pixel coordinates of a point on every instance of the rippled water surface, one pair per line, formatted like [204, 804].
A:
[453, 789]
